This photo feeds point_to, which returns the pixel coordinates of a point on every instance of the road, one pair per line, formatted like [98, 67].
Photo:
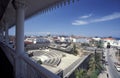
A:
[113, 73]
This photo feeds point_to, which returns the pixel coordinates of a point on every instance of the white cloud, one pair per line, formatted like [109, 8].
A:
[108, 17]
[79, 22]
[102, 19]
[86, 16]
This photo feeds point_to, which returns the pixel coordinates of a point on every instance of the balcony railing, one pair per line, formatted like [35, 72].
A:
[29, 69]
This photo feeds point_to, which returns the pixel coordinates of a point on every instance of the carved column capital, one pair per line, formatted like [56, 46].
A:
[19, 4]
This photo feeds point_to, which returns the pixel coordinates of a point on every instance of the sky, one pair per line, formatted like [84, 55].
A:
[85, 18]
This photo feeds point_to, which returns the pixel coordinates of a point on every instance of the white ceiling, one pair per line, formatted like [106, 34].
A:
[33, 7]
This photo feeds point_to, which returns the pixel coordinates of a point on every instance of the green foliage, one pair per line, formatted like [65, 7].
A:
[39, 61]
[100, 44]
[75, 49]
[93, 75]
[63, 55]
[85, 44]
[81, 73]
[77, 74]
[95, 65]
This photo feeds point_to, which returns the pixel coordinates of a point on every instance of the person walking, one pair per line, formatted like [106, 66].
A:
[107, 75]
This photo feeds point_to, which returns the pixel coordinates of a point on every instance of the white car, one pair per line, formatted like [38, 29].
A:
[117, 65]
[118, 68]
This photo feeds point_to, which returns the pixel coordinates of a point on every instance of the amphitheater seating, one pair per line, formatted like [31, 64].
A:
[38, 53]
[53, 58]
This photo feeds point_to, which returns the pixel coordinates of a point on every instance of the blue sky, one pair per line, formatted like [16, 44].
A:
[86, 18]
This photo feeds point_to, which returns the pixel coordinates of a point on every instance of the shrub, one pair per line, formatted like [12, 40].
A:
[39, 61]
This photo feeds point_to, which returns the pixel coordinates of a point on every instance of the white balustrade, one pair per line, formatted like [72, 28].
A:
[29, 68]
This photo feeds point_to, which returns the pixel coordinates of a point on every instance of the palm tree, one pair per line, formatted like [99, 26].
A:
[91, 64]
[95, 66]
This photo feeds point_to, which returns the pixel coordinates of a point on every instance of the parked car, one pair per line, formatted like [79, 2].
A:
[118, 68]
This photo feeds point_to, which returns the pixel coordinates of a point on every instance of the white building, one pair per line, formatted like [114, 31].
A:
[36, 40]
[112, 42]
[96, 39]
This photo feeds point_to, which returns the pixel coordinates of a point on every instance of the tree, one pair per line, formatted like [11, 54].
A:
[39, 61]
[81, 73]
[75, 49]
[108, 45]
[100, 44]
[95, 65]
